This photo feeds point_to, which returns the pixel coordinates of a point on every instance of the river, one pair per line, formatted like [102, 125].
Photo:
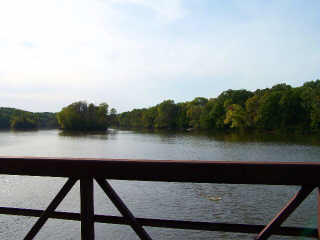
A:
[251, 204]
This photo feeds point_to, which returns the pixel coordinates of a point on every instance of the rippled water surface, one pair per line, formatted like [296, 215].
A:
[253, 204]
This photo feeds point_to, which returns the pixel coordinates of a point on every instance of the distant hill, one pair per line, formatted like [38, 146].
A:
[20, 119]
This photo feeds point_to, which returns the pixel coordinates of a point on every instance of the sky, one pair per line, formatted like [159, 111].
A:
[137, 53]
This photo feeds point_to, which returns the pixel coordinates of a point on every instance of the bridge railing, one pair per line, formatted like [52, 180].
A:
[87, 171]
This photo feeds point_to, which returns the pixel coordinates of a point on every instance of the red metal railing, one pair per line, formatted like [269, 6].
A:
[87, 170]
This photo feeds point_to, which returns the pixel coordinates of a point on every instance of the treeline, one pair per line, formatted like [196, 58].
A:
[81, 116]
[279, 107]
[12, 118]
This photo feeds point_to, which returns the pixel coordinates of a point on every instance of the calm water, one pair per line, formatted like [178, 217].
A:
[186, 201]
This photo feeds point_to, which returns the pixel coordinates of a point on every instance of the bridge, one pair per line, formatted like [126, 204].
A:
[88, 170]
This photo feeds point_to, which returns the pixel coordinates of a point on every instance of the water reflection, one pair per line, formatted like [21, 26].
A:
[103, 135]
[265, 137]
[236, 136]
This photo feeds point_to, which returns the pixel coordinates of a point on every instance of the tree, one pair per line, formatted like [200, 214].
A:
[235, 96]
[193, 114]
[205, 121]
[269, 112]
[23, 122]
[194, 111]
[199, 101]
[315, 114]
[4, 121]
[113, 117]
[12, 117]
[136, 118]
[217, 114]
[279, 107]
[236, 117]
[182, 120]
[113, 111]
[124, 120]
[292, 112]
[281, 87]
[149, 116]
[252, 106]
[80, 116]
[167, 113]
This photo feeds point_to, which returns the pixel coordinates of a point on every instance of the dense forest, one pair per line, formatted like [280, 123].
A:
[279, 107]
[18, 119]
[81, 116]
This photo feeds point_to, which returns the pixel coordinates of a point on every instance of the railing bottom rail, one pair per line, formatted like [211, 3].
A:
[163, 223]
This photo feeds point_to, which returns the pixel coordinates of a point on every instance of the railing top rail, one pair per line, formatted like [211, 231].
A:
[234, 172]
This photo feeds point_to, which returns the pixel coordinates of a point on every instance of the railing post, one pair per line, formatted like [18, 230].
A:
[318, 212]
[87, 209]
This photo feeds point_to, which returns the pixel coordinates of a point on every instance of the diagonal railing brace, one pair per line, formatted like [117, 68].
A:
[51, 208]
[285, 212]
[116, 200]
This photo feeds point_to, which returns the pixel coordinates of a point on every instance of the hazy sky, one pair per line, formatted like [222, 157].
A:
[137, 53]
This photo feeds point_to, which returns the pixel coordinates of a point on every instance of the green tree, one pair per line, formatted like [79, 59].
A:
[205, 121]
[217, 114]
[194, 111]
[149, 116]
[4, 121]
[167, 113]
[252, 106]
[23, 122]
[199, 101]
[113, 117]
[269, 112]
[292, 112]
[40, 119]
[315, 114]
[279, 107]
[182, 120]
[136, 118]
[193, 114]
[80, 116]
[236, 117]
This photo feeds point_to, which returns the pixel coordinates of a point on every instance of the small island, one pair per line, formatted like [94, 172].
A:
[81, 116]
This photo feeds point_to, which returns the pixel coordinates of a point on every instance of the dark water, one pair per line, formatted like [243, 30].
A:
[238, 203]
